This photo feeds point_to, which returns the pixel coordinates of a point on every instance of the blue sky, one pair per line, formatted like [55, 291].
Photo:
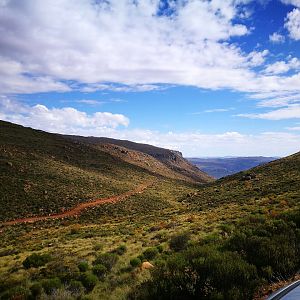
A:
[208, 78]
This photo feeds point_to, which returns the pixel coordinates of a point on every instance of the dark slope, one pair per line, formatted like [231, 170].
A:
[171, 159]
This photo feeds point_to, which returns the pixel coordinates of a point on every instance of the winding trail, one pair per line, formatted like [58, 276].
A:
[75, 211]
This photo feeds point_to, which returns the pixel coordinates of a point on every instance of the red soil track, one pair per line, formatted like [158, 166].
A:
[80, 207]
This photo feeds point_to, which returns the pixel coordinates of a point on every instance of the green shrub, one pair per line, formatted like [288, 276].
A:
[36, 289]
[50, 285]
[160, 248]
[36, 260]
[98, 247]
[179, 242]
[150, 253]
[200, 273]
[120, 250]
[135, 262]
[89, 281]
[83, 266]
[99, 271]
[18, 292]
[272, 246]
[76, 287]
[106, 259]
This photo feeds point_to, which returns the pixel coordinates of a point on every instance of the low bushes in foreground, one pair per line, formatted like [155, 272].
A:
[259, 250]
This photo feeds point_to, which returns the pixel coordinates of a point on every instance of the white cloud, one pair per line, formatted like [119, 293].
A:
[219, 144]
[276, 38]
[292, 2]
[217, 110]
[93, 43]
[292, 23]
[257, 58]
[71, 121]
[280, 67]
[290, 112]
[60, 120]
[90, 102]
[295, 128]
[122, 87]
[280, 101]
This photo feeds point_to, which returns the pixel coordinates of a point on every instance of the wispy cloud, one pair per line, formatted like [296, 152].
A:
[213, 110]
[90, 102]
[290, 112]
[218, 110]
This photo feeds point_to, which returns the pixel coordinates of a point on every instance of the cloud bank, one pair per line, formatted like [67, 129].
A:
[65, 120]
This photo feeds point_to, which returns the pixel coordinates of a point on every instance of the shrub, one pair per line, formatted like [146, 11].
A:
[200, 273]
[76, 287]
[271, 246]
[179, 242]
[135, 262]
[120, 250]
[83, 266]
[89, 281]
[160, 248]
[150, 253]
[106, 259]
[98, 247]
[18, 292]
[36, 260]
[36, 289]
[99, 271]
[50, 285]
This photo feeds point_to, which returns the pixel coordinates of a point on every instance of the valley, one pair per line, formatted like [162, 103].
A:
[84, 219]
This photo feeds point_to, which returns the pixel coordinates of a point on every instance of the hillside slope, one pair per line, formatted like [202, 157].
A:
[275, 184]
[173, 160]
[43, 173]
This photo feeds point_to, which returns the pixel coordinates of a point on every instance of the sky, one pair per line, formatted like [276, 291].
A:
[205, 77]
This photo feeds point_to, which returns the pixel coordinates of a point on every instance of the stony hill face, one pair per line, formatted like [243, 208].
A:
[170, 158]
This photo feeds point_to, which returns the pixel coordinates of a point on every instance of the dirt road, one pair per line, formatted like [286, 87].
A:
[75, 211]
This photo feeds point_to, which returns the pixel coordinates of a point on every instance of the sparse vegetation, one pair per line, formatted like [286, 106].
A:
[207, 239]
[36, 260]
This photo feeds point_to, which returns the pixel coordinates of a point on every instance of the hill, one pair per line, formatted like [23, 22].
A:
[270, 185]
[223, 166]
[43, 173]
[171, 159]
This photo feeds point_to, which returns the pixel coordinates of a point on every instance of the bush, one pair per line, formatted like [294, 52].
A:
[272, 246]
[36, 260]
[98, 247]
[18, 292]
[160, 248]
[135, 262]
[76, 287]
[179, 242]
[83, 266]
[150, 253]
[50, 285]
[120, 250]
[99, 271]
[106, 259]
[200, 273]
[89, 281]
[36, 289]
